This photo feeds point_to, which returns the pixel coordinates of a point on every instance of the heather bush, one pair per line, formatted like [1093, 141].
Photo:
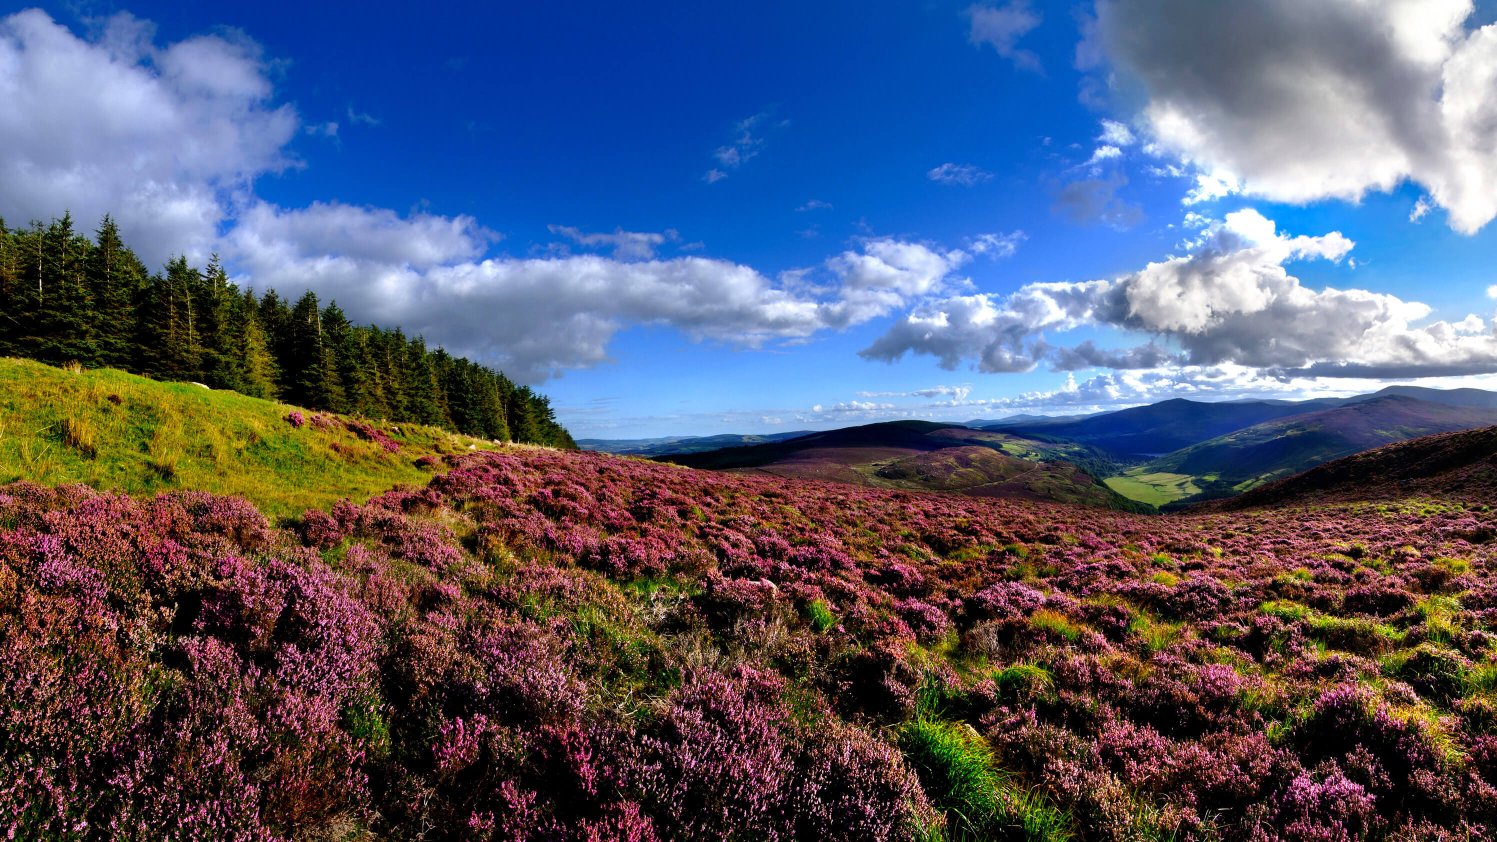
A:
[543, 645]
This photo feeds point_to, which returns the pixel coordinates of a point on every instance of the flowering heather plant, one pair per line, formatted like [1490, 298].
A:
[547, 645]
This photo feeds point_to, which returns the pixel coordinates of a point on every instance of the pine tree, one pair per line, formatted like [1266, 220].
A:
[313, 368]
[64, 297]
[221, 329]
[424, 398]
[172, 344]
[345, 374]
[259, 370]
[116, 279]
[10, 286]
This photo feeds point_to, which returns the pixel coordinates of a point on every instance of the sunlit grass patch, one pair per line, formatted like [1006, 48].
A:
[962, 778]
[1053, 622]
[117, 431]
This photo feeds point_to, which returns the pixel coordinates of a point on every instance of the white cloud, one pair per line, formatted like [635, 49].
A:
[162, 138]
[814, 204]
[997, 246]
[1116, 134]
[964, 175]
[626, 245]
[954, 393]
[1294, 106]
[1001, 27]
[852, 407]
[1104, 153]
[538, 317]
[1229, 302]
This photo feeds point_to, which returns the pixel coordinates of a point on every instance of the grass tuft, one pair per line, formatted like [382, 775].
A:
[962, 778]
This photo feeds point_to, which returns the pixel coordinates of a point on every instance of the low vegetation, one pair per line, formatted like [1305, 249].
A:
[550, 645]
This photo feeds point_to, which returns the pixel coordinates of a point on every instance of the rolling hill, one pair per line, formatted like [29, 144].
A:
[1147, 432]
[1247, 458]
[682, 444]
[1459, 465]
[923, 455]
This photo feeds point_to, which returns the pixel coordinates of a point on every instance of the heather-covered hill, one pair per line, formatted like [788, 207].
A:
[549, 645]
[1459, 465]
[929, 456]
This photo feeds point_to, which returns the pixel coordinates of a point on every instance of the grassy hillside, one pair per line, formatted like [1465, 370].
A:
[117, 431]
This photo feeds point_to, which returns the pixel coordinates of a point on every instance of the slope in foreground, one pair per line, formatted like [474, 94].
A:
[548, 645]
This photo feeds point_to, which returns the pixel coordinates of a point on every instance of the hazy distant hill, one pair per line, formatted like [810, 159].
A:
[1250, 457]
[682, 444]
[1147, 432]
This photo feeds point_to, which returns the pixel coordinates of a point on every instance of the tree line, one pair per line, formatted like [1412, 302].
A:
[65, 297]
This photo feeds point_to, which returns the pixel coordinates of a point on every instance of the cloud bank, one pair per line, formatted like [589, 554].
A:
[1296, 101]
[1229, 301]
[165, 138]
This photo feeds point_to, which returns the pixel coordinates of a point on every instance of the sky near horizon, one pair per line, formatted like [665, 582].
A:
[700, 218]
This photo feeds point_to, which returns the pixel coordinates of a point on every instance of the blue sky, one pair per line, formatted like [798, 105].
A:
[790, 215]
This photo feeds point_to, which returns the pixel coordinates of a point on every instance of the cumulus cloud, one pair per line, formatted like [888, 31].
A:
[1001, 27]
[538, 317]
[163, 138]
[963, 175]
[1231, 301]
[1297, 102]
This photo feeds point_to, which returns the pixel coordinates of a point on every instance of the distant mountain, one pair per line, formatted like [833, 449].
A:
[1452, 466]
[923, 455]
[889, 435]
[1023, 418]
[1247, 458]
[1450, 397]
[1147, 432]
[682, 444]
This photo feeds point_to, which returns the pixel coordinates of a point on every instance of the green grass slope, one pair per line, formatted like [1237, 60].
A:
[117, 431]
